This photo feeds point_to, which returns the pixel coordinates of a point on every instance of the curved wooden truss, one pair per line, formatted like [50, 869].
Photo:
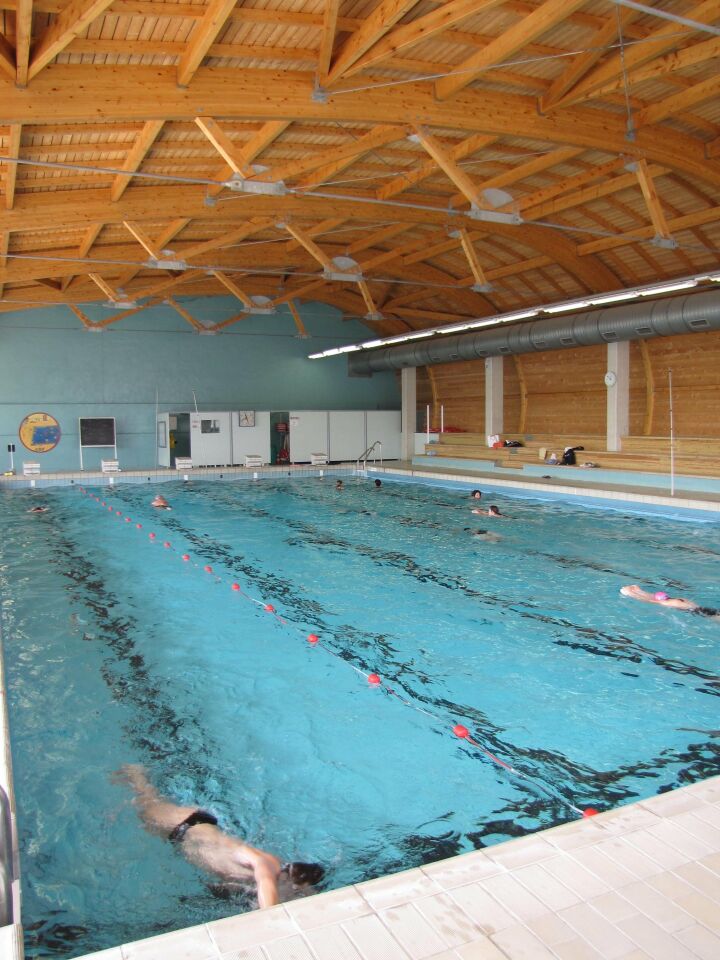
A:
[465, 157]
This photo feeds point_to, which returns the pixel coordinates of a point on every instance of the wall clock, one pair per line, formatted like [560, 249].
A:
[246, 418]
[610, 379]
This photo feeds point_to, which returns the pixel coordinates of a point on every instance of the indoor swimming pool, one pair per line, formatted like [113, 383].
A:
[118, 650]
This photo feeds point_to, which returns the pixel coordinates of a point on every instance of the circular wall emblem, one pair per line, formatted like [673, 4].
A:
[39, 432]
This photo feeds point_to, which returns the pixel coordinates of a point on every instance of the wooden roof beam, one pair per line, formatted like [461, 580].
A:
[679, 102]
[186, 315]
[373, 312]
[106, 288]
[13, 150]
[675, 225]
[7, 59]
[379, 136]
[532, 26]
[306, 241]
[409, 178]
[327, 40]
[301, 331]
[23, 37]
[83, 318]
[407, 35]
[446, 163]
[261, 140]
[4, 244]
[202, 38]
[658, 42]
[224, 145]
[472, 258]
[139, 150]
[73, 20]
[256, 225]
[168, 234]
[152, 249]
[652, 201]
[233, 288]
[383, 18]
[580, 65]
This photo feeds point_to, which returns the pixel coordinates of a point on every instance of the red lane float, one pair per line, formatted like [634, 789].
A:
[312, 639]
[374, 680]
[186, 557]
[207, 568]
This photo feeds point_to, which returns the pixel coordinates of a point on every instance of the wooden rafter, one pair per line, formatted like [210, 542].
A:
[423, 28]
[665, 38]
[382, 19]
[23, 37]
[265, 136]
[185, 314]
[106, 288]
[446, 163]
[139, 150]
[409, 178]
[306, 241]
[652, 201]
[7, 58]
[203, 36]
[224, 145]
[327, 39]
[73, 20]
[472, 258]
[679, 102]
[302, 332]
[509, 42]
[373, 312]
[234, 289]
[675, 225]
[13, 150]
[152, 249]
[580, 65]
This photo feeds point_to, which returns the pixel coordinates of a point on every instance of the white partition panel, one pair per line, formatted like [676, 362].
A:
[385, 426]
[210, 439]
[250, 435]
[163, 439]
[347, 434]
[308, 434]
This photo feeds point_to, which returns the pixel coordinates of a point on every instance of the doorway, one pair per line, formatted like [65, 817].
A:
[280, 437]
[179, 436]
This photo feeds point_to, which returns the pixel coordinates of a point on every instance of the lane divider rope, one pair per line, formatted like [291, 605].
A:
[373, 679]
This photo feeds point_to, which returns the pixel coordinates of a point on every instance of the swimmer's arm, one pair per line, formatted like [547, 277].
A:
[265, 868]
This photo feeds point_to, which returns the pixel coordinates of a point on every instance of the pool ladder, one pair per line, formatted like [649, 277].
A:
[365, 455]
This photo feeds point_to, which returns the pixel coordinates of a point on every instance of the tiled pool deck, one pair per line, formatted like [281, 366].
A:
[641, 882]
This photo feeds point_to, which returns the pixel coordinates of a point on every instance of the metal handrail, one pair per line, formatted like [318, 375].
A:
[366, 453]
[6, 861]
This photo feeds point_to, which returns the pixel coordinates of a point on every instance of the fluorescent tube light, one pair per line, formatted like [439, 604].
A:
[668, 288]
[520, 315]
[564, 307]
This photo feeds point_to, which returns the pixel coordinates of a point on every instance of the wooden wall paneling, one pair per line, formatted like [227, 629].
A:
[649, 389]
[695, 363]
[522, 391]
[460, 387]
[565, 391]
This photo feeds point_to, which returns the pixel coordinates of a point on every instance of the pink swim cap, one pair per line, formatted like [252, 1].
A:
[660, 595]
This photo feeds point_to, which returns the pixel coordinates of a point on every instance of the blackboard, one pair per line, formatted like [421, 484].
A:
[97, 431]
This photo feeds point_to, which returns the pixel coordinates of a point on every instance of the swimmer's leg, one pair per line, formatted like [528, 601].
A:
[158, 814]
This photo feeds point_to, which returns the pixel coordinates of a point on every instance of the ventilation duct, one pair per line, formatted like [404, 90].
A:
[636, 321]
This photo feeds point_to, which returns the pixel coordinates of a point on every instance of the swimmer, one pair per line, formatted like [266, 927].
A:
[491, 511]
[486, 535]
[38, 509]
[677, 603]
[476, 494]
[160, 502]
[378, 484]
[203, 843]
[339, 485]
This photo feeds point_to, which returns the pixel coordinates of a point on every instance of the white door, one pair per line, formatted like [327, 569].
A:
[210, 439]
[385, 426]
[308, 434]
[162, 429]
[347, 434]
[250, 435]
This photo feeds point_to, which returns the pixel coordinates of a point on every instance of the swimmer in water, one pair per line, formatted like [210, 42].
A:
[339, 485]
[38, 509]
[491, 511]
[486, 535]
[676, 603]
[160, 502]
[197, 835]
[378, 484]
[475, 494]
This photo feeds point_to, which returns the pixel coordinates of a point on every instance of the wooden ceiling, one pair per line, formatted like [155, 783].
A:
[592, 127]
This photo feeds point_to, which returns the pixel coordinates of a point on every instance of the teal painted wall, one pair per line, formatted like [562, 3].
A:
[50, 363]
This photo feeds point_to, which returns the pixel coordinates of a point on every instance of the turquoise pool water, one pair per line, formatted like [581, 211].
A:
[119, 651]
